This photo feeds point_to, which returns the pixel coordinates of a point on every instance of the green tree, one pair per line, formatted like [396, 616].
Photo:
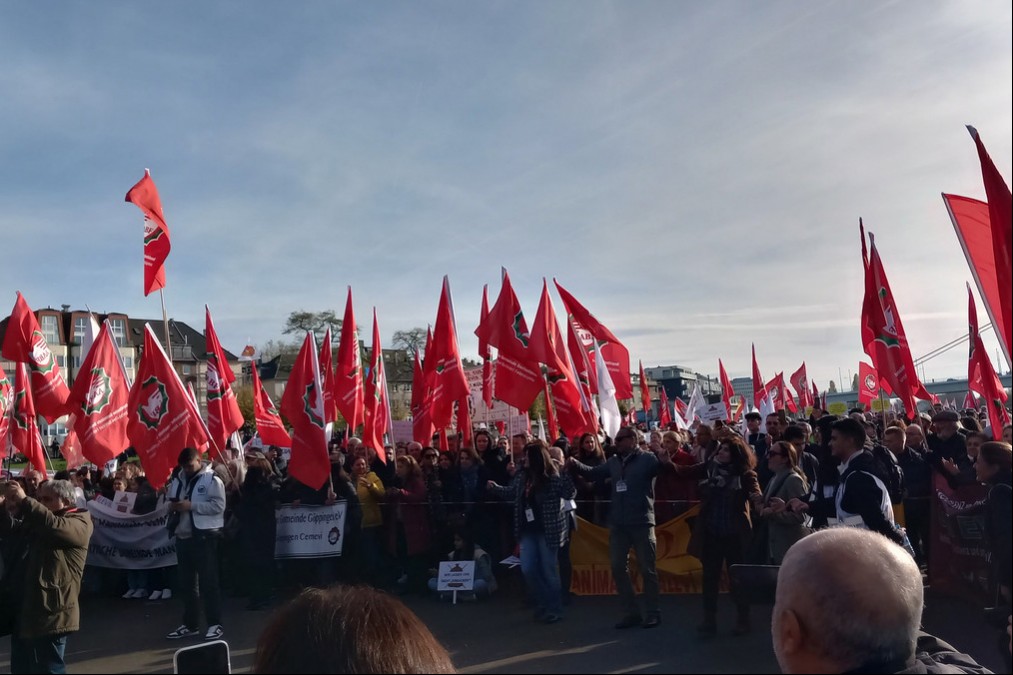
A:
[244, 397]
[300, 321]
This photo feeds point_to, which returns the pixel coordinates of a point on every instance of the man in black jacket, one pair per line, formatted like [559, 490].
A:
[848, 601]
[861, 499]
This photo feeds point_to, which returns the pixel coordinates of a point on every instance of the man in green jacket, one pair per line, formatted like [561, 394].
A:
[58, 535]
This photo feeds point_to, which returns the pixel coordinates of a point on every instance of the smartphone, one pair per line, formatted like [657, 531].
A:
[208, 657]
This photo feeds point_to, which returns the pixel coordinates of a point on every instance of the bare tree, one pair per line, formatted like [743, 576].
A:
[412, 340]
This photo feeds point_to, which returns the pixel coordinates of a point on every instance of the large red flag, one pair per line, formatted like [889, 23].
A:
[24, 343]
[883, 333]
[99, 401]
[162, 419]
[303, 405]
[981, 376]
[24, 431]
[800, 381]
[614, 352]
[775, 389]
[6, 407]
[645, 391]
[327, 377]
[224, 415]
[868, 383]
[518, 376]
[585, 372]
[1000, 215]
[759, 390]
[971, 222]
[72, 450]
[443, 366]
[726, 389]
[422, 422]
[348, 378]
[269, 425]
[666, 414]
[485, 353]
[156, 233]
[547, 347]
[375, 393]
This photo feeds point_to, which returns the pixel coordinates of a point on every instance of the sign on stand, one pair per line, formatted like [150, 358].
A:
[456, 576]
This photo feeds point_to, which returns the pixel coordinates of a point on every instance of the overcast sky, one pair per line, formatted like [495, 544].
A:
[692, 172]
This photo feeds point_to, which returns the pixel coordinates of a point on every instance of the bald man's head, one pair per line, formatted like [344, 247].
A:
[845, 597]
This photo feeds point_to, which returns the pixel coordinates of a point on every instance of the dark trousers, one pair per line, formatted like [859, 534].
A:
[38, 655]
[916, 521]
[718, 550]
[198, 578]
[641, 539]
[565, 570]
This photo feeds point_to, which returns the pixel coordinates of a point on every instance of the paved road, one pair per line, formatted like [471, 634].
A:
[496, 636]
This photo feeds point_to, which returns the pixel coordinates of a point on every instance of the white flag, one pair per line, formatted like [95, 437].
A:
[695, 402]
[90, 333]
[611, 420]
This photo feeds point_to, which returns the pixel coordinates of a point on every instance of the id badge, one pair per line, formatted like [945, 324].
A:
[621, 486]
[530, 515]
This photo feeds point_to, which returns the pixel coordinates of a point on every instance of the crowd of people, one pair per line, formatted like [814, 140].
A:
[761, 490]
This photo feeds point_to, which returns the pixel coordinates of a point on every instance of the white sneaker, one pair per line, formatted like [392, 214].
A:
[155, 595]
[167, 594]
[214, 632]
[129, 594]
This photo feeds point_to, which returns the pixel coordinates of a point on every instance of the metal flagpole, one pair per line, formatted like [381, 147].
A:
[165, 322]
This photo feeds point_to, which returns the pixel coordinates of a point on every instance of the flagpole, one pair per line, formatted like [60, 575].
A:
[165, 321]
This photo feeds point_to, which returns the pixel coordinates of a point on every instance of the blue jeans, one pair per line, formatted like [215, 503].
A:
[540, 567]
[38, 655]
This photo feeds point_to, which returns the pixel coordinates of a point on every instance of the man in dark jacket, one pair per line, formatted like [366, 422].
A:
[848, 601]
[631, 523]
[59, 534]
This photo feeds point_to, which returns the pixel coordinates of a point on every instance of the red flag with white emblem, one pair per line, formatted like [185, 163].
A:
[144, 195]
[99, 401]
[303, 406]
[24, 343]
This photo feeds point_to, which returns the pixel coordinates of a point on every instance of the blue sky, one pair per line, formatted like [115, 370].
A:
[692, 172]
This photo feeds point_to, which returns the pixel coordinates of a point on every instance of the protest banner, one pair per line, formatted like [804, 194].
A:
[712, 412]
[958, 555]
[678, 572]
[500, 411]
[309, 531]
[129, 541]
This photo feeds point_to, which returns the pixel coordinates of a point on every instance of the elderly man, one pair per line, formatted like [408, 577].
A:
[849, 600]
[58, 535]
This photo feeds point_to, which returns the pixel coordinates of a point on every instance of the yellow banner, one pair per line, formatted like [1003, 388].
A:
[678, 572]
[837, 408]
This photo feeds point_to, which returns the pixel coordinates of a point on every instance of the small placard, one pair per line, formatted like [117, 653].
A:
[124, 501]
[456, 576]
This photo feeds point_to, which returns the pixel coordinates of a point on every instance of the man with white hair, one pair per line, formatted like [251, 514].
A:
[58, 533]
[850, 601]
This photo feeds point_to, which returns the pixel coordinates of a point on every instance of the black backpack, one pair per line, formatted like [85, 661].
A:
[890, 473]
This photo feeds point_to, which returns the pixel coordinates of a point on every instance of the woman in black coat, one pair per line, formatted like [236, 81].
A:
[258, 497]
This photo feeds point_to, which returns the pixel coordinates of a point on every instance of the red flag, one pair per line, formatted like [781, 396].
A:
[726, 389]
[981, 376]
[645, 391]
[348, 378]
[970, 220]
[269, 424]
[614, 353]
[883, 333]
[823, 401]
[161, 417]
[775, 389]
[681, 407]
[868, 383]
[24, 343]
[548, 348]
[666, 414]
[6, 408]
[969, 402]
[759, 390]
[789, 400]
[464, 422]
[1000, 216]
[485, 353]
[99, 401]
[24, 431]
[144, 195]
[800, 381]
[448, 383]
[303, 405]
[224, 415]
[550, 414]
[518, 377]
[814, 396]
[585, 372]
[375, 394]
[327, 378]
[422, 423]
[71, 448]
